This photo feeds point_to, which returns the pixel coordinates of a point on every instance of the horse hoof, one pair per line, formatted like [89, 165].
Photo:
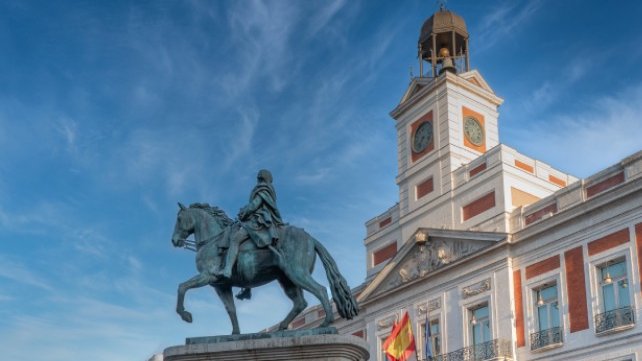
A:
[186, 316]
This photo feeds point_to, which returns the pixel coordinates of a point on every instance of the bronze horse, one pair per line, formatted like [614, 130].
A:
[291, 263]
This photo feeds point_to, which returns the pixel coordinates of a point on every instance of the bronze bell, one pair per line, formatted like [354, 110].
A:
[446, 61]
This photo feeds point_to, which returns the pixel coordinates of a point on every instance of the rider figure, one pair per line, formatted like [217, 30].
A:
[260, 220]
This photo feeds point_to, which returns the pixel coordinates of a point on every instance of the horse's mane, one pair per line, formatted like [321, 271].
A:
[215, 212]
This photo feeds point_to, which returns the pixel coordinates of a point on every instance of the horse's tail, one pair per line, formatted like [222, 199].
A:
[343, 298]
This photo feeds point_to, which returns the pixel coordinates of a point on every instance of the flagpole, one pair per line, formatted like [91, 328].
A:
[427, 340]
[416, 353]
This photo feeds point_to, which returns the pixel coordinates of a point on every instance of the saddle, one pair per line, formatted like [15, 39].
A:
[262, 237]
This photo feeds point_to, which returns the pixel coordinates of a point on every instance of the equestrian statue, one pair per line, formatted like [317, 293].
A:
[253, 250]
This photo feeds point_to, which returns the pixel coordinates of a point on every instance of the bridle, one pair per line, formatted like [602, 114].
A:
[192, 245]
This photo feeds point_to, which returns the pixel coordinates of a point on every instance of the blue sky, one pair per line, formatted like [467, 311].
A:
[111, 112]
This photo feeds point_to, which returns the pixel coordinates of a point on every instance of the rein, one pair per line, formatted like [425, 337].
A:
[194, 246]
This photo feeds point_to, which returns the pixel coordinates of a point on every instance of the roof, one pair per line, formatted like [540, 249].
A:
[443, 21]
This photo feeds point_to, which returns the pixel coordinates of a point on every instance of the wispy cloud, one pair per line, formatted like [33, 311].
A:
[68, 128]
[324, 16]
[260, 32]
[503, 20]
[552, 87]
[239, 145]
[20, 273]
[55, 221]
[575, 141]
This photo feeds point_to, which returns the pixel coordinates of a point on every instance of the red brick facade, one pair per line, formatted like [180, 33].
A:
[385, 253]
[607, 242]
[544, 266]
[604, 185]
[424, 188]
[519, 308]
[478, 206]
[576, 288]
[298, 322]
[537, 215]
[478, 169]
[638, 244]
[385, 222]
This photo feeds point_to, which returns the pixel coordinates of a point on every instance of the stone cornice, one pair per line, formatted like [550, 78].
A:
[577, 210]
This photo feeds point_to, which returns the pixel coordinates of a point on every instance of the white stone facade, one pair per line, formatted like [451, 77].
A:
[507, 257]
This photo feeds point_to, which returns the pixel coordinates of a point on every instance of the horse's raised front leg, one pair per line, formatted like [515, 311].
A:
[194, 282]
[225, 293]
[298, 301]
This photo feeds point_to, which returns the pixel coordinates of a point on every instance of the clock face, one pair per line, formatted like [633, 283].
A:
[473, 131]
[422, 137]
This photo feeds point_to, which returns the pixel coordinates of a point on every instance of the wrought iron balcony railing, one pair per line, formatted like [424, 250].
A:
[614, 319]
[491, 350]
[551, 336]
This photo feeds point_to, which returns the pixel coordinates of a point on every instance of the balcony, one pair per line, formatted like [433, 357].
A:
[546, 339]
[494, 350]
[614, 320]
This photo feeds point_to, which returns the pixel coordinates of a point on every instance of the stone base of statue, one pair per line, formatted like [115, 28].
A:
[323, 344]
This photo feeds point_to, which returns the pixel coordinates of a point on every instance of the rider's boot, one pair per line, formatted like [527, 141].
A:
[230, 257]
[244, 294]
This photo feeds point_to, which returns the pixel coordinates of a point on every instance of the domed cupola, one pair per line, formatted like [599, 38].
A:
[443, 43]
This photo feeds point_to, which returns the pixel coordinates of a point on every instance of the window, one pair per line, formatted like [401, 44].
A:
[614, 296]
[435, 337]
[614, 285]
[547, 315]
[480, 325]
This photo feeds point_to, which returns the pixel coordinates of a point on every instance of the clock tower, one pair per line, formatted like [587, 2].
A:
[453, 172]
[446, 118]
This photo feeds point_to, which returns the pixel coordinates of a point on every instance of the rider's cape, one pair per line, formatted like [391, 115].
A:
[262, 224]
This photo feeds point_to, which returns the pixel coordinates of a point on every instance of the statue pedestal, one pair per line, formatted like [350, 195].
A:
[278, 346]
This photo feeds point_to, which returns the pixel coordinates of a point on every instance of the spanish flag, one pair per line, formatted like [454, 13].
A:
[400, 345]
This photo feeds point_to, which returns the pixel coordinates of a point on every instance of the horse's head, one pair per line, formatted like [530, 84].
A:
[200, 219]
[184, 227]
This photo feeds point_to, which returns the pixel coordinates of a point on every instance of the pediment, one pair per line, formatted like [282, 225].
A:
[475, 77]
[420, 83]
[415, 261]
[415, 86]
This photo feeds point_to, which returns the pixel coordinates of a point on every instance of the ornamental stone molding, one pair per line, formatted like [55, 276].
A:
[423, 259]
[477, 288]
[386, 323]
[430, 306]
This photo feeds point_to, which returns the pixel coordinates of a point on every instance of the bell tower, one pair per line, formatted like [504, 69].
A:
[446, 119]
[443, 44]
